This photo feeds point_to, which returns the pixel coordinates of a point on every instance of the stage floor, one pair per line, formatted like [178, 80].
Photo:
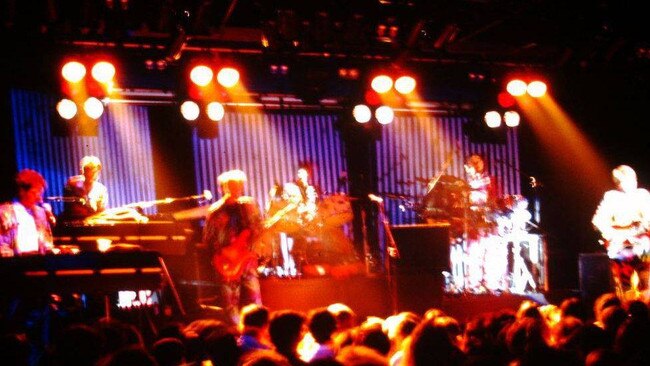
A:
[372, 295]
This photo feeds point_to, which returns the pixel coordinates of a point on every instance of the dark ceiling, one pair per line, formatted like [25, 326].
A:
[491, 36]
[545, 33]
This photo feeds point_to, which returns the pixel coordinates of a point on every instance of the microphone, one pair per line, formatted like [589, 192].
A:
[206, 195]
[67, 199]
[48, 212]
[375, 198]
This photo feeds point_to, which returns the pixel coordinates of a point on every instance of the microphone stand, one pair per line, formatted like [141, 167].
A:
[391, 250]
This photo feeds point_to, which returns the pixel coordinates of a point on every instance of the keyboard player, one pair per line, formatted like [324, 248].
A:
[25, 222]
[83, 194]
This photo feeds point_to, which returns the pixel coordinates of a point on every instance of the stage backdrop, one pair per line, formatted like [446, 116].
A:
[123, 145]
[268, 147]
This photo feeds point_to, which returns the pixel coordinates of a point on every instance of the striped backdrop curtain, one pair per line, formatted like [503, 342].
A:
[123, 144]
[269, 148]
[414, 148]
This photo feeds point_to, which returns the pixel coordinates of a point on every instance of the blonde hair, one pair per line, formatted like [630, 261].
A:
[234, 175]
[90, 161]
[623, 172]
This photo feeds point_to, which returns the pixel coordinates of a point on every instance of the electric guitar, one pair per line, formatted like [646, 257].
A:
[232, 261]
[633, 239]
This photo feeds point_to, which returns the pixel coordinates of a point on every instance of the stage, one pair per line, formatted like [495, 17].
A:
[371, 295]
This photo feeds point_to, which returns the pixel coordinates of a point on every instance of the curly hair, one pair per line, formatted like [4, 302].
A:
[28, 178]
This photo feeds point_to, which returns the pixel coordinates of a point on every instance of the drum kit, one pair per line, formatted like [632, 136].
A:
[296, 239]
[486, 240]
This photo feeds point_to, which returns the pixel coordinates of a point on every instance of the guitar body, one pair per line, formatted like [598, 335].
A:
[629, 241]
[233, 260]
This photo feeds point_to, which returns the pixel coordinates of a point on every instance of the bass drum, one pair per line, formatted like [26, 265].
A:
[335, 210]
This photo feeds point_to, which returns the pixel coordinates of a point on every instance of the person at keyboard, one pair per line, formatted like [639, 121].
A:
[83, 194]
[25, 222]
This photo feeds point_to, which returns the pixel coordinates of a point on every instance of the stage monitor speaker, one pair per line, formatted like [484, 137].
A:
[595, 276]
[422, 247]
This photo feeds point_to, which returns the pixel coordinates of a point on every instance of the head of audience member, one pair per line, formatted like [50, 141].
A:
[356, 355]
[563, 331]
[321, 324]
[525, 336]
[168, 352]
[118, 334]
[400, 326]
[451, 326]
[632, 341]
[286, 329]
[264, 357]
[30, 187]
[232, 183]
[371, 335]
[90, 167]
[602, 302]
[221, 346]
[345, 316]
[128, 356]
[638, 311]
[431, 344]
[78, 344]
[529, 309]
[346, 320]
[432, 313]
[254, 319]
[575, 307]
[612, 318]
[625, 178]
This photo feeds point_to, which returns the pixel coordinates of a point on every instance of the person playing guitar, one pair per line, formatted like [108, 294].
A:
[232, 225]
[623, 221]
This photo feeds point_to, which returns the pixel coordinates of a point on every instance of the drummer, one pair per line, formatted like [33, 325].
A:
[302, 199]
[482, 195]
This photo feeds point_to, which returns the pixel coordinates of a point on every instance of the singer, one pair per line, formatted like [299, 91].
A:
[24, 222]
[89, 196]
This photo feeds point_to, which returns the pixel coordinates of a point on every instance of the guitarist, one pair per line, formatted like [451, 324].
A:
[232, 225]
[623, 220]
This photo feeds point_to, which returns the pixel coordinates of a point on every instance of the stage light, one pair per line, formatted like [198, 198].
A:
[384, 115]
[505, 100]
[536, 89]
[228, 77]
[73, 71]
[492, 119]
[511, 118]
[93, 108]
[66, 108]
[201, 75]
[103, 72]
[361, 113]
[190, 110]
[516, 87]
[405, 84]
[381, 84]
[215, 111]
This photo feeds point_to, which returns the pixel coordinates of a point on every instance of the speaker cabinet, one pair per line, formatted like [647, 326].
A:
[595, 276]
[422, 247]
[417, 273]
